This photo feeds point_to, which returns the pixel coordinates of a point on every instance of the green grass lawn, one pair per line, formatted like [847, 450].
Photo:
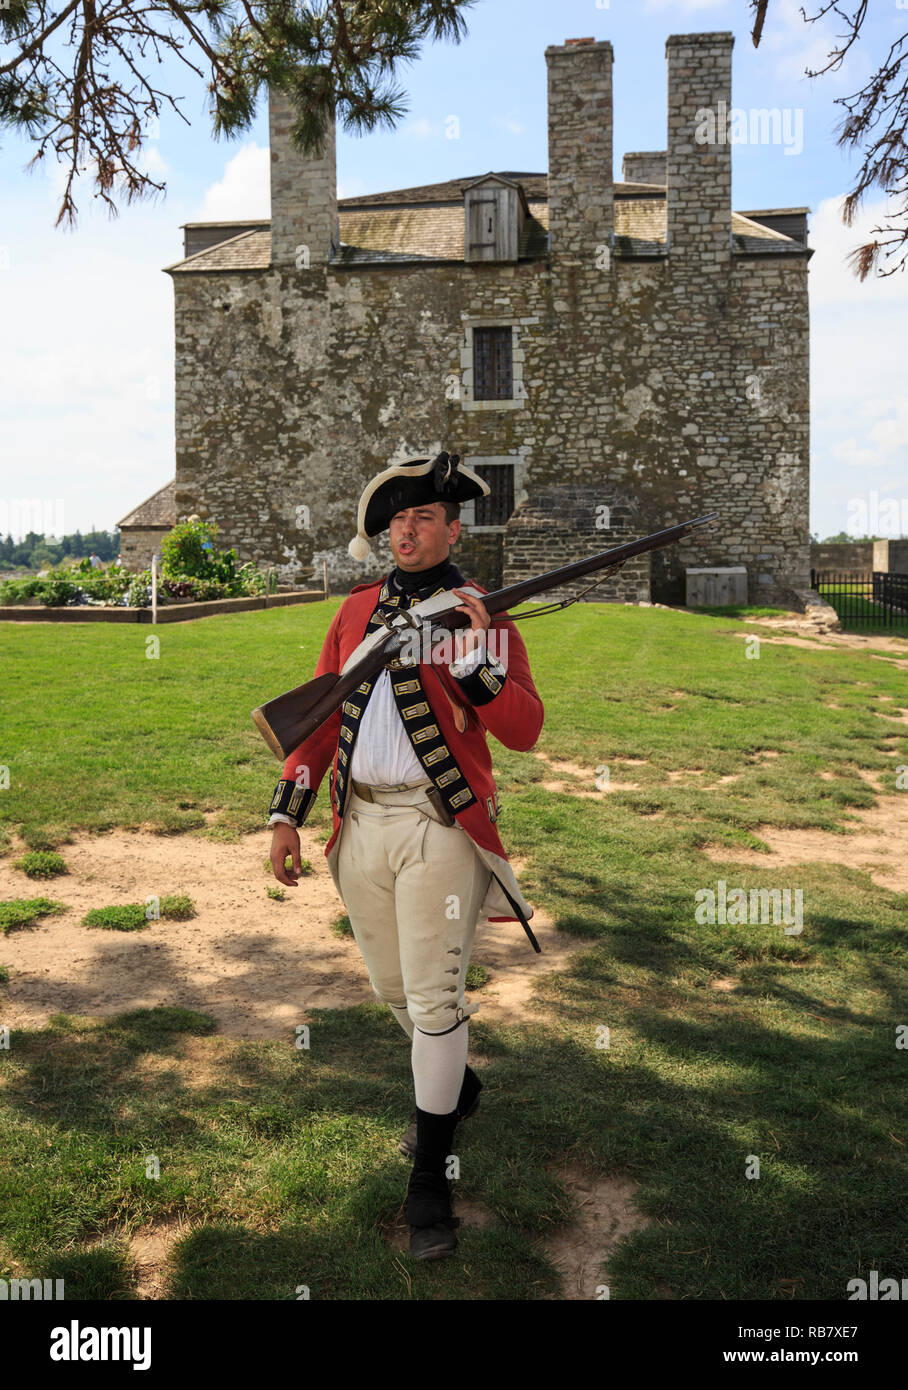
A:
[285, 1160]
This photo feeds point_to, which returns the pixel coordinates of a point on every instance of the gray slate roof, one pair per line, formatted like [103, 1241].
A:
[425, 224]
[160, 509]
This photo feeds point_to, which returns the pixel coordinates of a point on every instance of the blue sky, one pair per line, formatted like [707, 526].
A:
[87, 357]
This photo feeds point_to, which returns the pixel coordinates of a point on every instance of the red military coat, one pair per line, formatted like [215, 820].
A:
[514, 715]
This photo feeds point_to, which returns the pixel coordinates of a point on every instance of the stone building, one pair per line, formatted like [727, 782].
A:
[142, 531]
[613, 357]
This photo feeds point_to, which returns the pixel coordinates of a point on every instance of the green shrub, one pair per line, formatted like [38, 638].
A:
[342, 927]
[277, 893]
[138, 592]
[40, 863]
[21, 912]
[188, 552]
[15, 590]
[133, 916]
[253, 581]
[57, 592]
[193, 567]
[67, 583]
[177, 907]
[130, 917]
[476, 977]
[4, 975]
[104, 585]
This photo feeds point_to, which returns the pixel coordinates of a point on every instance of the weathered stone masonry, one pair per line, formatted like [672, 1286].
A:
[660, 341]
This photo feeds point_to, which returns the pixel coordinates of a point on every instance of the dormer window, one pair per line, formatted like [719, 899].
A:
[495, 210]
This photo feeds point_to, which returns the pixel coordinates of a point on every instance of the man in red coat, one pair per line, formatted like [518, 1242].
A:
[415, 852]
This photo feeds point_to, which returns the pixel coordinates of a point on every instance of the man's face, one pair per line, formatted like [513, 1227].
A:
[420, 537]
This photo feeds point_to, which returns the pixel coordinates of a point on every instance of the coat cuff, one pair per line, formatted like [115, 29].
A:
[484, 682]
[466, 665]
[292, 801]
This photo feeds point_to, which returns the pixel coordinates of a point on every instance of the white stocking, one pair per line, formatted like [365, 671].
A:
[439, 1060]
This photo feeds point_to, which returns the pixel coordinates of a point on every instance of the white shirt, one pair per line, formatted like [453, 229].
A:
[383, 755]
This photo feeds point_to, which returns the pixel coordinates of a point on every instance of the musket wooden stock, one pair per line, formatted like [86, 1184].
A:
[287, 720]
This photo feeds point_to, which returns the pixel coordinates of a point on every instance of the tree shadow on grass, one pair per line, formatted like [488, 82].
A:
[302, 1142]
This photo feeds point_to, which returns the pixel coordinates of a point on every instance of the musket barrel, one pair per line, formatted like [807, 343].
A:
[501, 599]
[289, 719]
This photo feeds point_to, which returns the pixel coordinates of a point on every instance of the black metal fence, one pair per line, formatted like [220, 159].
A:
[864, 598]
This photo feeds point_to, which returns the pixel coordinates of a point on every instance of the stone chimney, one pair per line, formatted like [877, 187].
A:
[644, 167]
[303, 193]
[699, 155]
[581, 197]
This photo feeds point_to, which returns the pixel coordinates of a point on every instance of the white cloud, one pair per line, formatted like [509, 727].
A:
[420, 129]
[86, 381]
[859, 404]
[831, 281]
[510, 125]
[850, 452]
[155, 162]
[243, 192]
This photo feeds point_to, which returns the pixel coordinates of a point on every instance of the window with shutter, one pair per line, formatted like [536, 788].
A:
[493, 370]
[483, 226]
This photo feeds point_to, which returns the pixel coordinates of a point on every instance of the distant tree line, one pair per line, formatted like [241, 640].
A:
[37, 552]
[844, 537]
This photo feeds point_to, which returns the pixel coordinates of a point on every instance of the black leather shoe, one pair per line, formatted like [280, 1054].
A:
[467, 1105]
[428, 1212]
[433, 1242]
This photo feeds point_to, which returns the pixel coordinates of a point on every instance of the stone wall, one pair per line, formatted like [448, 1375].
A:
[562, 524]
[842, 555]
[137, 546]
[294, 388]
[890, 557]
[644, 166]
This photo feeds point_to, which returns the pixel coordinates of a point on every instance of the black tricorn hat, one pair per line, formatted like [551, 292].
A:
[412, 483]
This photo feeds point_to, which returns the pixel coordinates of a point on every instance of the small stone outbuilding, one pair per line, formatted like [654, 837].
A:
[143, 529]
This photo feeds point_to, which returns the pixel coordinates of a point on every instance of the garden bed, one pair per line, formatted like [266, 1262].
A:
[174, 612]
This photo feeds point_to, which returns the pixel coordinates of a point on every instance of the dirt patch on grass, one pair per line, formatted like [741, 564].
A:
[878, 844]
[875, 644]
[577, 772]
[898, 716]
[199, 1066]
[605, 1215]
[150, 1252]
[255, 965]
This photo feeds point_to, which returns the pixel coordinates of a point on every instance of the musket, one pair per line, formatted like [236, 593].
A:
[287, 720]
